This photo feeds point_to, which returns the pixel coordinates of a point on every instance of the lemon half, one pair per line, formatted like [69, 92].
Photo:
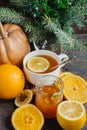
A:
[38, 64]
[71, 115]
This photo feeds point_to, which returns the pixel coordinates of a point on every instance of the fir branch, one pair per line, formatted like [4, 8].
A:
[63, 37]
[11, 16]
[83, 6]
[74, 15]
[19, 3]
[67, 42]
[57, 25]
[79, 45]
[35, 34]
[60, 34]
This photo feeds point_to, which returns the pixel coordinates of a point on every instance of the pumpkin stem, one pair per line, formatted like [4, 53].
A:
[3, 33]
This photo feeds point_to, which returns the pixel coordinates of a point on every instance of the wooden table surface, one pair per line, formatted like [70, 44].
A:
[78, 66]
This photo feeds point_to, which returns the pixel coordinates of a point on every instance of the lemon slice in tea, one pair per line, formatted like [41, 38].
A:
[38, 64]
[25, 97]
[71, 115]
[27, 117]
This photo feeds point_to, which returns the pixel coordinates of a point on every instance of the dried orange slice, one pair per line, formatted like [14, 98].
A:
[27, 117]
[38, 64]
[25, 97]
[75, 88]
[71, 115]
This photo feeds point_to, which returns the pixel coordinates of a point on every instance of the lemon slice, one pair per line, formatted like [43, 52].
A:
[71, 115]
[38, 64]
[24, 98]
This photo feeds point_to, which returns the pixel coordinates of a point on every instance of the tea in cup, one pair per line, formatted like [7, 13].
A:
[49, 93]
[42, 62]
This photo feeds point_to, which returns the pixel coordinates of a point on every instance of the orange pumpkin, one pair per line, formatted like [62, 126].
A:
[13, 44]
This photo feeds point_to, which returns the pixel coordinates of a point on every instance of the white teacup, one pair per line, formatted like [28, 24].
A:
[32, 77]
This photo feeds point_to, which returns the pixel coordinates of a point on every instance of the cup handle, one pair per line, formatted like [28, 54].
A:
[63, 59]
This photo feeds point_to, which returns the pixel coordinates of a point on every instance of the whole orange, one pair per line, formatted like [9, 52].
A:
[12, 81]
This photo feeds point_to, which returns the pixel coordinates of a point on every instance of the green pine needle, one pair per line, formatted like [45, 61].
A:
[11, 16]
[57, 25]
[19, 3]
